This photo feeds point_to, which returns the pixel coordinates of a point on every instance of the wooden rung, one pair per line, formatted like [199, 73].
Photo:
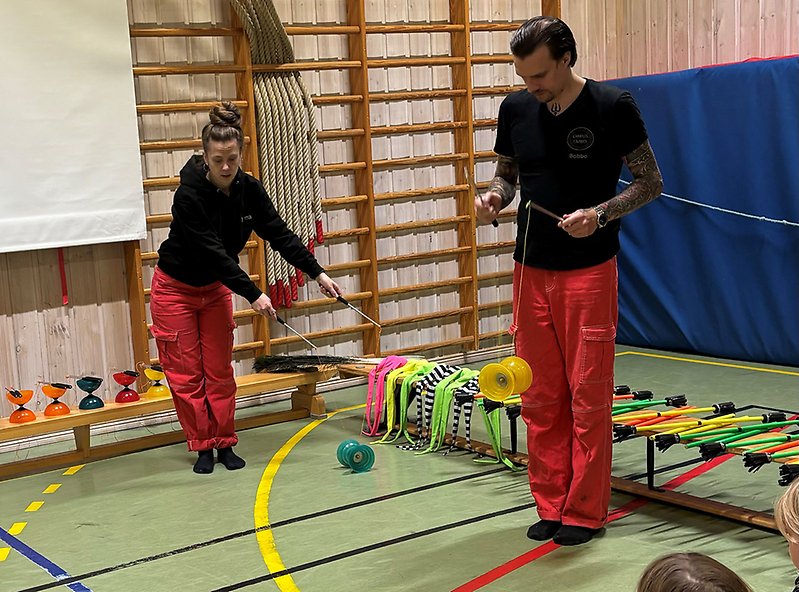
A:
[338, 134]
[415, 95]
[245, 314]
[347, 266]
[196, 106]
[496, 90]
[321, 30]
[427, 346]
[277, 341]
[418, 160]
[483, 154]
[496, 246]
[418, 127]
[426, 286]
[346, 233]
[341, 167]
[305, 66]
[419, 224]
[497, 275]
[333, 202]
[495, 26]
[336, 99]
[412, 28]
[318, 302]
[184, 32]
[170, 145]
[158, 219]
[495, 305]
[188, 69]
[492, 59]
[414, 62]
[395, 259]
[426, 191]
[249, 346]
[441, 314]
[161, 183]
[495, 335]
[484, 123]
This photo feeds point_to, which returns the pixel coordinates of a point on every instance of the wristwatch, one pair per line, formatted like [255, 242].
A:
[601, 217]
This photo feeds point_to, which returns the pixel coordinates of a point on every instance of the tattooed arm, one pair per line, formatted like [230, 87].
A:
[505, 177]
[501, 190]
[646, 185]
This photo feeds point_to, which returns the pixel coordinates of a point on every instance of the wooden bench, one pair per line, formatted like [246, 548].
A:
[305, 402]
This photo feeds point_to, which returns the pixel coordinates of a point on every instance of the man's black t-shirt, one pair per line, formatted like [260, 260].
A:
[568, 162]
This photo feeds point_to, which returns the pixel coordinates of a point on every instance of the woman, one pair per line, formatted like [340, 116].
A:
[214, 211]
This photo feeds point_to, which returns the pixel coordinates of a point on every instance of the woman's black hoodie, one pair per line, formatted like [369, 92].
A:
[209, 230]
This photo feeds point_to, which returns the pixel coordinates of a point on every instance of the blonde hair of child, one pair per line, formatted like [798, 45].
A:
[786, 513]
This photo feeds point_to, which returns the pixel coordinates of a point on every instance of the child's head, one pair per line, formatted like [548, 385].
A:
[786, 513]
[689, 572]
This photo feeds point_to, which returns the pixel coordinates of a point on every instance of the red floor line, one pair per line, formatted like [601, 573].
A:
[546, 548]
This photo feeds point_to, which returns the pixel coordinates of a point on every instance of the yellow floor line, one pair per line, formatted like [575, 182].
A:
[73, 470]
[266, 542]
[4, 553]
[708, 363]
[17, 528]
[52, 488]
[34, 506]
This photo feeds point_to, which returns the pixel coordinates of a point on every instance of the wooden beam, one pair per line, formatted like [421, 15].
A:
[364, 178]
[460, 43]
[256, 257]
[182, 32]
[136, 305]
[551, 8]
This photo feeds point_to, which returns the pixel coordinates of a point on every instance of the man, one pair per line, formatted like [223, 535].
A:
[565, 139]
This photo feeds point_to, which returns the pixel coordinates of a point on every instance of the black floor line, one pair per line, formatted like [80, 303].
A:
[251, 531]
[372, 547]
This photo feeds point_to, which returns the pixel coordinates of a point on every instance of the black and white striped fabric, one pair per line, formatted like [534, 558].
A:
[469, 389]
[425, 389]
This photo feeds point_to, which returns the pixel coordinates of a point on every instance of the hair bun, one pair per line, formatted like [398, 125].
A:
[226, 114]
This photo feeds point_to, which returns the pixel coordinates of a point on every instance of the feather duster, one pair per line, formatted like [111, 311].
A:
[305, 363]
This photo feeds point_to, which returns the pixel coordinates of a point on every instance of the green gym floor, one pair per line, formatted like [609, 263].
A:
[294, 519]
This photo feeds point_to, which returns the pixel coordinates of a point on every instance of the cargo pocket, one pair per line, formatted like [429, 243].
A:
[169, 352]
[598, 344]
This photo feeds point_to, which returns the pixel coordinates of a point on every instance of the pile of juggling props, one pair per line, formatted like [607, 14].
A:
[395, 381]
[87, 384]
[758, 439]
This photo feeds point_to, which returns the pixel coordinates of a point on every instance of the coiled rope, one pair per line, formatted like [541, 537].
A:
[286, 140]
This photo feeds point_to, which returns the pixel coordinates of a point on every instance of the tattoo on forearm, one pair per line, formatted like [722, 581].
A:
[504, 181]
[646, 185]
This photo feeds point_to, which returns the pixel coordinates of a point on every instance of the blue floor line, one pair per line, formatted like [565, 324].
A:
[40, 560]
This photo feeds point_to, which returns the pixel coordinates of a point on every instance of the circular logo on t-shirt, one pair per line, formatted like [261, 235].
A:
[580, 138]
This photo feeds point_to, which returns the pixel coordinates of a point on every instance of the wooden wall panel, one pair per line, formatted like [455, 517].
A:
[42, 339]
[617, 38]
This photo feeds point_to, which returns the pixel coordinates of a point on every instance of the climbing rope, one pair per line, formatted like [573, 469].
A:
[287, 142]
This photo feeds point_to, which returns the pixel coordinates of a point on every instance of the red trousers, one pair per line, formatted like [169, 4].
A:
[193, 328]
[566, 330]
